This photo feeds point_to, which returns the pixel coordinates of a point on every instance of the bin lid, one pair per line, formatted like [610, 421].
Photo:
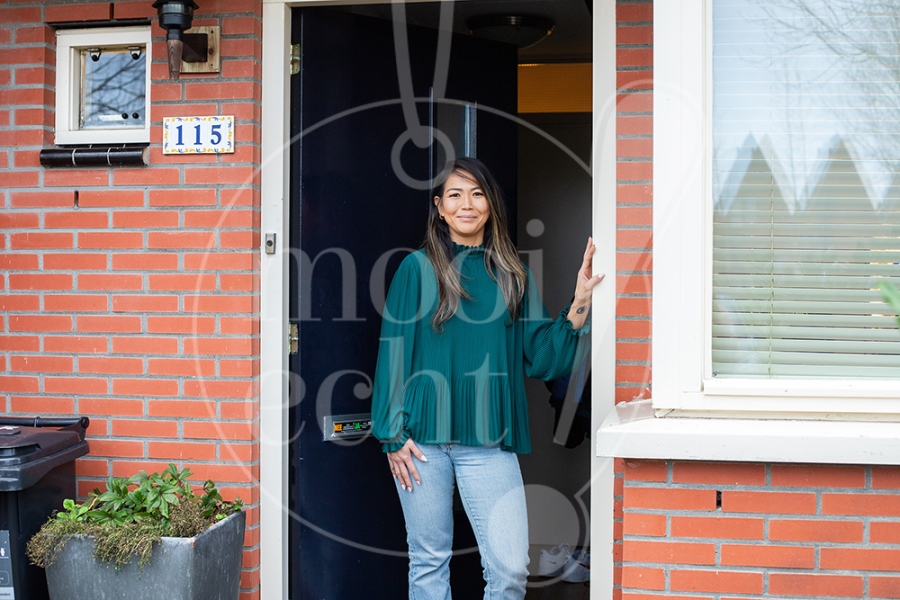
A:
[19, 445]
[29, 453]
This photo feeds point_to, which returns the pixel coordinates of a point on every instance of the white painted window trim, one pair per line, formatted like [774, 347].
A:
[68, 43]
[633, 431]
[682, 235]
[692, 417]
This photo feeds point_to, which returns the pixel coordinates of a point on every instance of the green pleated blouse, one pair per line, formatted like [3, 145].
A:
[465, 384]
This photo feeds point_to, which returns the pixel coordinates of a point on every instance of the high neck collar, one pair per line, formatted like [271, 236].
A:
[462, 249]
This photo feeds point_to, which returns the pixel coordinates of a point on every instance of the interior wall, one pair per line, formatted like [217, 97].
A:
[554, 223]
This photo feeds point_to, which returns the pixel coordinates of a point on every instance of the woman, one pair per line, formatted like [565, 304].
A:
[463, 324]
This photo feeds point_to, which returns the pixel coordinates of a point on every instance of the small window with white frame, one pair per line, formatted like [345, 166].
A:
[103, 85]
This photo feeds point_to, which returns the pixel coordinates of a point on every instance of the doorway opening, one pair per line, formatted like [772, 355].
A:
[347, 529]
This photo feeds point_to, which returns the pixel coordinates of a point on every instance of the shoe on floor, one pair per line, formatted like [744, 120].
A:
[578, 567]
[553, 560]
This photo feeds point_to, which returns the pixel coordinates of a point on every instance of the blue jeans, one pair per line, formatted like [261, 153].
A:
[490, 485]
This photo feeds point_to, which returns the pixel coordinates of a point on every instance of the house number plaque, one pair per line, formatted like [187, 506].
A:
[198, 135]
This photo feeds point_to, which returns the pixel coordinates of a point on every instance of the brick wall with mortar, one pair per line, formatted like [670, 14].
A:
[716, 530]
[711, 531]
[138, 309]
[634, 215]
[130, 295]
[634, 183]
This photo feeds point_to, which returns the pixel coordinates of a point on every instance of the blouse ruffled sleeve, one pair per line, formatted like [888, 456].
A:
[552, 347]
[395, 352]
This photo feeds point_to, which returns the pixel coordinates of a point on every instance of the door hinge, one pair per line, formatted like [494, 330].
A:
[295, 59]
[293, 338]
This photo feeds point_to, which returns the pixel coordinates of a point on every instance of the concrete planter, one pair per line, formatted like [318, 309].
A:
[205, 567]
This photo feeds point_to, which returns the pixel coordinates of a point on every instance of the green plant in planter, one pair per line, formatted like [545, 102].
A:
[891, 296]
[131, 515]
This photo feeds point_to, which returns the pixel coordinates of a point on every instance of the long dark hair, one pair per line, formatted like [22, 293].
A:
[500, 256]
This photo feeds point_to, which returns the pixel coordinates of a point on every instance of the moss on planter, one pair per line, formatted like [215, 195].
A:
[131, 515]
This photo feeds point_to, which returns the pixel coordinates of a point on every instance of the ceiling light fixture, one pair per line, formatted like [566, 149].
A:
[521, 30]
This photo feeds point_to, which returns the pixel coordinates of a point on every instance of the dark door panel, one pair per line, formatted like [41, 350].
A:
[349, 212]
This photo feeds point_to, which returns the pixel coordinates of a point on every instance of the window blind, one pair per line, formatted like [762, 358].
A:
[806, 188]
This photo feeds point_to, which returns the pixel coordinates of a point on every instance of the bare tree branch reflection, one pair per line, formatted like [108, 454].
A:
[114, 89]
[831, 71]
[806, 138]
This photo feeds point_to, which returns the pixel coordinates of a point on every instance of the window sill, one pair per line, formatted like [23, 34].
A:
[632, 431]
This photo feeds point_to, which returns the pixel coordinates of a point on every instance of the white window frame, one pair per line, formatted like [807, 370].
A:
[682, 232]
[69, 42]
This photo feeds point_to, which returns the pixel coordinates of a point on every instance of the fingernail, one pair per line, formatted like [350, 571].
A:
[409, 490]
[424, 458]
[403, 486]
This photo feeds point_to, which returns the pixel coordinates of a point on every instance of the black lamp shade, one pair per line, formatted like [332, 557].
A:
[175, 16]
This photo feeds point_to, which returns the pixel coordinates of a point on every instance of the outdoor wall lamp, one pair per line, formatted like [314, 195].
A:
[176, 17]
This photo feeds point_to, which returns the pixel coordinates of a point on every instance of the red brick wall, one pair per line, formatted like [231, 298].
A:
[130, 295]
[703, 530]
[634, 213]
[634, 182]
[759, 531]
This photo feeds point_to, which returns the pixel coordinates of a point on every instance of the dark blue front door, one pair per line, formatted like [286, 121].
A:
[356, 209]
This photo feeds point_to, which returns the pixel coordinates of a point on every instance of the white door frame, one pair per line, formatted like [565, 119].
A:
[274, 285]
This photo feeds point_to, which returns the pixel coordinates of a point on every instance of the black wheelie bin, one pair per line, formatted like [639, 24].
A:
[37, 472]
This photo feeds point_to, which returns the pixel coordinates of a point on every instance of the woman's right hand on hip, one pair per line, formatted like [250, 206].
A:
[403, 468]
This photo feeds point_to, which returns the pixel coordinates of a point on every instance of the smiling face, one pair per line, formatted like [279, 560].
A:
[464, 207]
